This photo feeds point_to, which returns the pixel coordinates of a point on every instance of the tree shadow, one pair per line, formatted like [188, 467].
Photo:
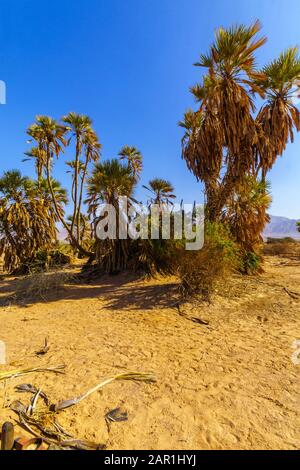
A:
[144, 297]
[124, 291]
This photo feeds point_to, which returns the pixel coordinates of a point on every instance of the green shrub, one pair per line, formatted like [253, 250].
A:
[251, 262]
[47, 259]
[201, 271]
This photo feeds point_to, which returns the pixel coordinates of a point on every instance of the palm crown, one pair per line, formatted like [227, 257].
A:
[162, 191]
[109, 181]
[134, 159]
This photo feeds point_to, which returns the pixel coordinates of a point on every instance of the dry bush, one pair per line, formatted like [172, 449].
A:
[282, 247]
[41, 285]
[201, 271]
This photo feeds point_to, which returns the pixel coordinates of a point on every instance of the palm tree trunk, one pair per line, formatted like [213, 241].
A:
[81, 195]
[76, 170]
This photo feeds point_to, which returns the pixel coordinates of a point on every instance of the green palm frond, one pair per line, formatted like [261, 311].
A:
[109, 181]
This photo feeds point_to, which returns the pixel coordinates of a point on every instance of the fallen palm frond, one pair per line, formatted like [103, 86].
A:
[293, 295]
[43, 423]
[32, 389]
[33, 403]
[19, 372]
[44, 426]
[116, 416]
[135, 376]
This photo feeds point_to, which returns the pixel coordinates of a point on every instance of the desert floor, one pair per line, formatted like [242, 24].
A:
[230, 384]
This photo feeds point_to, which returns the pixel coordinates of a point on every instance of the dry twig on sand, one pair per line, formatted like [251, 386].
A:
[44, 349]
[32, 389]
[19, 372]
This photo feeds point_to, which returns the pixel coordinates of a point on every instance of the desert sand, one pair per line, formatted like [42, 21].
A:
[230, 384]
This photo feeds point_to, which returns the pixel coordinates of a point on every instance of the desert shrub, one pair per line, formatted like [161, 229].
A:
[145, 256]
[201, 271]
[156, 256]
[251, 262]
[40, 285]
[281, 240]
[45, 260]
[282, 247]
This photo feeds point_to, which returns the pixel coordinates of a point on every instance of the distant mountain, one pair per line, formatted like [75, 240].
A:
[280, 227]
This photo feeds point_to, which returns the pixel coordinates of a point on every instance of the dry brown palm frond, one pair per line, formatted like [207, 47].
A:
[246, 213]
[45, 426]
[28, 388]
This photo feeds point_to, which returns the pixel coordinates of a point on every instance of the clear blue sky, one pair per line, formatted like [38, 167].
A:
[128, 64]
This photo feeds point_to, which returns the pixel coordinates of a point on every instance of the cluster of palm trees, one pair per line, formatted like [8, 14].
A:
[228, 144]
[39, 205]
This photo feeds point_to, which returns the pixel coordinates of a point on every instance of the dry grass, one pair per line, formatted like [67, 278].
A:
[286, 247]
[40, 285]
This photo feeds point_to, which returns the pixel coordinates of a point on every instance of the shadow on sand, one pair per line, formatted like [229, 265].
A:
[123, 292]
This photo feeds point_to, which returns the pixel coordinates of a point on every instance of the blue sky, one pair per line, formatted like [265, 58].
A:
[128, 64]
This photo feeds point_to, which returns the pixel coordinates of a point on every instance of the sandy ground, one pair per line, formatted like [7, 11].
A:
[228, 385]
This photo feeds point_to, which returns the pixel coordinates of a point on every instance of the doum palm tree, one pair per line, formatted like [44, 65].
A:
[134, 159]
[26, 220]
[225, 140]
[78, 125]
[110, 180]
[162, 192]
[51, 139]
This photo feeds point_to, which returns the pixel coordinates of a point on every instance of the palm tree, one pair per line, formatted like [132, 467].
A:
[162, 192]
[246, 212]
[78, 126]
[42, 188]
[92, 149]
[134, 159]
[279, 116]
[222, 132]
[225, 142]
[26, 222]
[39, 156]
[109, 181]
[51, 139]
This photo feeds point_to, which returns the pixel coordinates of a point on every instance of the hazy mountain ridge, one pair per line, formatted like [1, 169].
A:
[280, 227]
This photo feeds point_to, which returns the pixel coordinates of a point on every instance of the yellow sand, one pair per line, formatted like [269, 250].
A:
[228, 385]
